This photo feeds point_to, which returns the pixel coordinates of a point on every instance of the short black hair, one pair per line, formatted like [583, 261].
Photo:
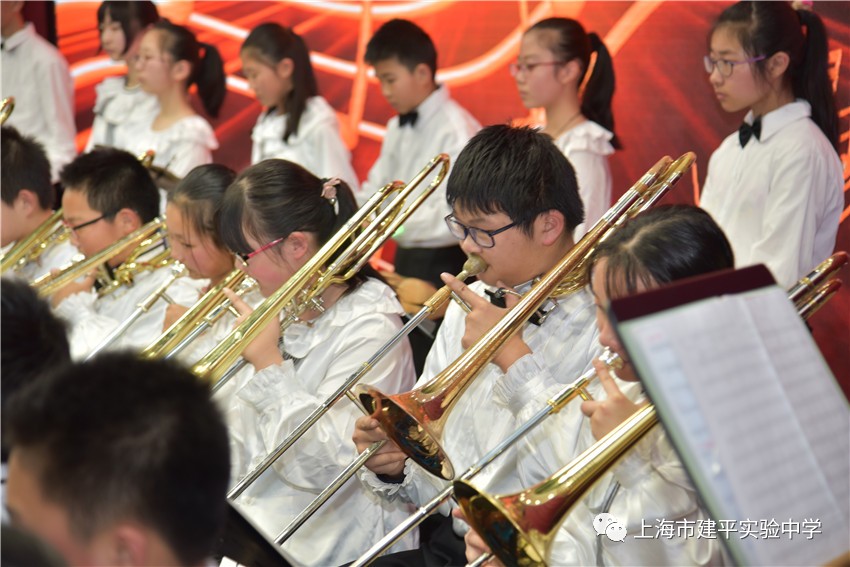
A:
[661, 245]
[134, 17]
[24, 165]
[112, 180]
[405, 41]
[121, 438]
[516, 171]
[199, 195]
[33, 341]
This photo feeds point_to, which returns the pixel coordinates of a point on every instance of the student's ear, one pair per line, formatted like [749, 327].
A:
[777, 64]
[422, 74]
[127, 220]
[26, 203]
[284, 68]
[570, 71]
[124, 545]
[550, 227]
[181, 70]
[298, 245]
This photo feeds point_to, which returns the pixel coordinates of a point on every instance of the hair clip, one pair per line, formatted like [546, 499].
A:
[329, 191]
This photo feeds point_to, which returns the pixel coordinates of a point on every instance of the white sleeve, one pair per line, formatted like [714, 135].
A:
[57, 102]
[274, 401]
[88, 327]
[332, 157]
[379, 174]
[188, 155]
[594, 184]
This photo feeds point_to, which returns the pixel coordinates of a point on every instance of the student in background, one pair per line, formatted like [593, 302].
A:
[553, 63]
[297, 124]
[27, 201]
[120, 461]
[776, 185]
[36, 74]
[170, 61]
[121, 105]
[429, 122]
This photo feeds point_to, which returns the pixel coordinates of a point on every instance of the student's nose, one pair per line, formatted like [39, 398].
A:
[469, 246]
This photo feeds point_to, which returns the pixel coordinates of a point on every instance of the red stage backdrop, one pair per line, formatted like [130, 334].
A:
[663, 103]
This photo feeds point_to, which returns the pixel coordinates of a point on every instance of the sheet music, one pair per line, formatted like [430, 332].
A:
[741, 384]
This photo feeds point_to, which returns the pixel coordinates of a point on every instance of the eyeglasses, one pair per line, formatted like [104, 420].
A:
[516, 68]
[482, 237]
[83, 224]
[245, 257]
[724, 66]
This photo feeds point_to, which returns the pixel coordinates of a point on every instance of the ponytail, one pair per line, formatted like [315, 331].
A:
[204, 59]
[812, 79]
[209, 76]
[599, 90]
[766, 28]
[573, 42]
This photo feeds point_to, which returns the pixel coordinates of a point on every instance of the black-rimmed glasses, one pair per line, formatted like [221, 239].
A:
[482, 237]
[724, 66]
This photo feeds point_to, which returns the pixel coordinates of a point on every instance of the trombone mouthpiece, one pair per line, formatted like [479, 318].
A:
[474, 265]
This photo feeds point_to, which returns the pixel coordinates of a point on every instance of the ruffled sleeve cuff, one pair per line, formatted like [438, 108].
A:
[387, 490]
[275, 378]
[637, 464]
[524, 383]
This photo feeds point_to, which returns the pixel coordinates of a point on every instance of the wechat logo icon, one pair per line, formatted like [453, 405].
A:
[608, 525]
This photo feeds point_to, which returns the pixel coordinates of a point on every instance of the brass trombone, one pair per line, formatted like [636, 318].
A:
[6, 108]
[204, 313]
[49, 233]
[520, 528]
[337, 261]
[143, 240]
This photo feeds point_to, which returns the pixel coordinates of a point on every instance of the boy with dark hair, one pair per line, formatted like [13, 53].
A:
[27, 201]
[429, 122]
[32, 342]
[109, 195]
[120, 461]
[515, 203]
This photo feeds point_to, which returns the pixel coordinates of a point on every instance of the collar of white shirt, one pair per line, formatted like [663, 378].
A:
[776, 120]
[432, 104]
[19, 37]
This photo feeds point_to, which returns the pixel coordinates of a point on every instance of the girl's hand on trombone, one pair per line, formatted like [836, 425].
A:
[86, 283]
[482, 317]
[263, 351]
[607, 414]
[389, 459]
[475, 546]
[173, 312]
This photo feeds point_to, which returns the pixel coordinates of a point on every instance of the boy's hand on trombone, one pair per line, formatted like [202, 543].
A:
[263, 351]
[607, 414]
[86, 283]
[475, 545]
[482, 317]
[172, 313]
[389, 459]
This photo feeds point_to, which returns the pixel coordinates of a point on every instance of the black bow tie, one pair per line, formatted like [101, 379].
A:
[747, 131]
[409, 118]
[497, 298]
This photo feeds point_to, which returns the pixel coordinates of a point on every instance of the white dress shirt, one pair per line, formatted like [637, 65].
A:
[54, 257]
[317, 146]
[778, 199]
[180, 148]
[92, 318]
[36, 74]
[443, 126]
[562, 349]
[264, 407]
[119, 113]
[587, 147]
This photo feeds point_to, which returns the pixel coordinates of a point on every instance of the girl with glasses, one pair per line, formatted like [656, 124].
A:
[275, 216]
[776, 185]
[297, 124]
[553, 64]
[170, 61]
[121, 105]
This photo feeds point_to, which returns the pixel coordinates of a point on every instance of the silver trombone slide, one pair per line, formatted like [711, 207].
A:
[472, 266]
[177, 270]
